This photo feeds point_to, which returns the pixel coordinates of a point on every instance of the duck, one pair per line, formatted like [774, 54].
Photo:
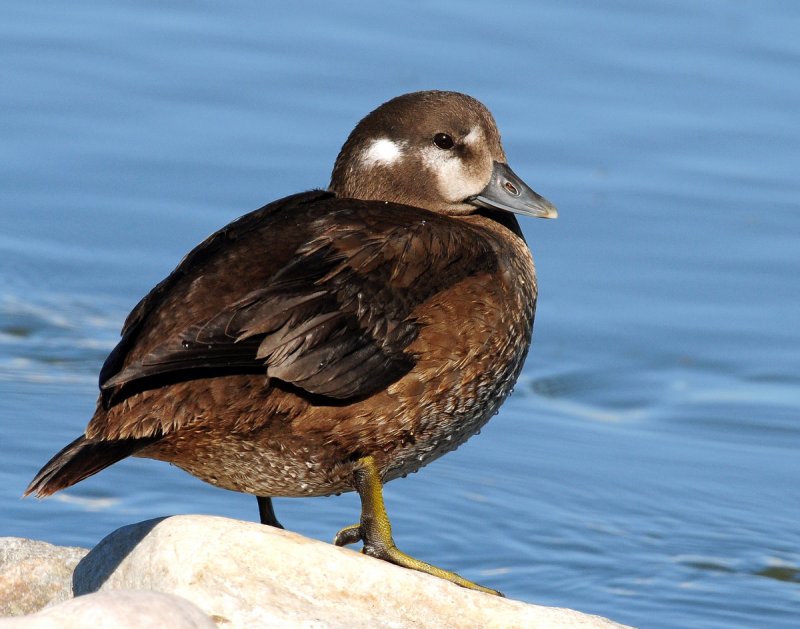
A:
[336, 339]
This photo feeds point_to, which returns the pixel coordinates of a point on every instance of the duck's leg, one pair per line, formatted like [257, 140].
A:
[376, 531]
[266, 512]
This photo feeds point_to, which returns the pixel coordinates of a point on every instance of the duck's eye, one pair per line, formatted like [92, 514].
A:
[443, 141]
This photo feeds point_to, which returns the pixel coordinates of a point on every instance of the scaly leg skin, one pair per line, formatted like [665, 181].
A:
[266, 512]
[376, 531]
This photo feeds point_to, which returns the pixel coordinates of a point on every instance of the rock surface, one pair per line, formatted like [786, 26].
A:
[124, 609]
[246, 575]
[34, 574]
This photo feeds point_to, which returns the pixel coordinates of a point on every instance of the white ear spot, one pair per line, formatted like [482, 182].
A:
[382, 152]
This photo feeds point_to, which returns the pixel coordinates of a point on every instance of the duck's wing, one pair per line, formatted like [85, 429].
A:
[336, 317]
[197, 286]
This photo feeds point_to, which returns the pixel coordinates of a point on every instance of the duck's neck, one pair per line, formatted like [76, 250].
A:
[506, 219]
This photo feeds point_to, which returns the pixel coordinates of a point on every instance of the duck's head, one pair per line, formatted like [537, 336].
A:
[436, 150]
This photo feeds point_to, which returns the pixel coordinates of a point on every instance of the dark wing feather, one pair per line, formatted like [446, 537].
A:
[336, 318]
[211, 249]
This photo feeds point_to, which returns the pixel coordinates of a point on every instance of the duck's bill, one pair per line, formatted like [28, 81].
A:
[508, 192]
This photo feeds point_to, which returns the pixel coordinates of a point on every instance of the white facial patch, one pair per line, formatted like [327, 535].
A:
[454, 182]
[474, 136]
[382, 152]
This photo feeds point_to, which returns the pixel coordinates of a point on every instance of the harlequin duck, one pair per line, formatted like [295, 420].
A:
[334, 340]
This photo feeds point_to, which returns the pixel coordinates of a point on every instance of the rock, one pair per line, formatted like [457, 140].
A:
[34, 574]
[123, 609]
[246, 575]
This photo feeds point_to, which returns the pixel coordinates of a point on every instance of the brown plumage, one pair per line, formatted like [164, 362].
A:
[386, 318]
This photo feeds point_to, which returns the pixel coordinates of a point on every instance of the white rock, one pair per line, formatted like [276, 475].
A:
[246, 575]
[34, 574]
[123, 609]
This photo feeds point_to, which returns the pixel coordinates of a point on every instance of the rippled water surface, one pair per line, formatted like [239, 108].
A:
[646, 467]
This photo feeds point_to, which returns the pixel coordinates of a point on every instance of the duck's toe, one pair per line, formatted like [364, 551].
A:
[348, 535]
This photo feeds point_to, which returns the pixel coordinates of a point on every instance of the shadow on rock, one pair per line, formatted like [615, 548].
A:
[96, 567]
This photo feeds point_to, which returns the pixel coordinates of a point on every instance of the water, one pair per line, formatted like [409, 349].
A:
[646, 467]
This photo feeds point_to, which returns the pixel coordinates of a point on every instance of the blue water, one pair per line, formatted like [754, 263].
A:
[646, 467]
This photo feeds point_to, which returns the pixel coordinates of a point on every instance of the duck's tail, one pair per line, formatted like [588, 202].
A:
[80, 459]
